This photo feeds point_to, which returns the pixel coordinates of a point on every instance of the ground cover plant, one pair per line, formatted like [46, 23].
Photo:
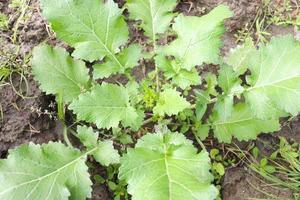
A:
[254, 88]
[286, 162]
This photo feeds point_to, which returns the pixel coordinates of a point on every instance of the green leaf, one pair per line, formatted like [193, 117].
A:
[134, 91]
[199, 38]
[238, 57]
[170, 102]
[200, 109]
[48, 171]
[211, 83]
[59, 73]
[229, 81]
[238, 121]
[127, 59]
[94, 28]
[87, 136]
[167, 166]
[214, 153]
[275, 78]
[4, 73]
[122, 136]
[105, 153]
[156, 15]
[136, 124]
[202, 99]
[173, 70]
[106, 105]
[202, 131]
[219, 168]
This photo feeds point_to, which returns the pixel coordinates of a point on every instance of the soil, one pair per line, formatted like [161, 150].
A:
[33, 119]
[24, 120]
[244, 10]
[241, 184]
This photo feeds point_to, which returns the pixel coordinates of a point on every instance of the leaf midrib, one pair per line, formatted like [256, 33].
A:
[233, 122]
[274, 83]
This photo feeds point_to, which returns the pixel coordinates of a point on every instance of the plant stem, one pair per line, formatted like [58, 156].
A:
[147, 121]
[200, 142]
[156, 68]
[65, 134]
[61, 117]
[214, 100]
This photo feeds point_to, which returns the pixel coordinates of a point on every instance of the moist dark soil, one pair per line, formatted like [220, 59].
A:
[33, 119]
[24, 120]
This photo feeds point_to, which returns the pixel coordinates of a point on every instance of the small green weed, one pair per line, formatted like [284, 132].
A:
[3, 21]
[282, 168]
[281, 13]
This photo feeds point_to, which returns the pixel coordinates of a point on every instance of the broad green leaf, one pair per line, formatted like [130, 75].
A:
[275, 78]
[165, 167]
[127, 59]
[172, 70]
[59, 73]
[156, 15]
[238, 57]
[229, 81]
[106, 105]
[96, 29]
[198, 38]
[170, 103]
[238, 121]
[105, 153]
[48, 171]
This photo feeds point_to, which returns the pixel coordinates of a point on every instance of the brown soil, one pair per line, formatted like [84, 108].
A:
[241, 184]
[244, 10]
[291, 130]
[24, 120]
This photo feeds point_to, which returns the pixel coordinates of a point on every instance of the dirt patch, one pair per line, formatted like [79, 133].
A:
[99, 191]
[34, 31]
[24, 120]
[244, 10]
[283, 30]
[291, 130]
[241, 184]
